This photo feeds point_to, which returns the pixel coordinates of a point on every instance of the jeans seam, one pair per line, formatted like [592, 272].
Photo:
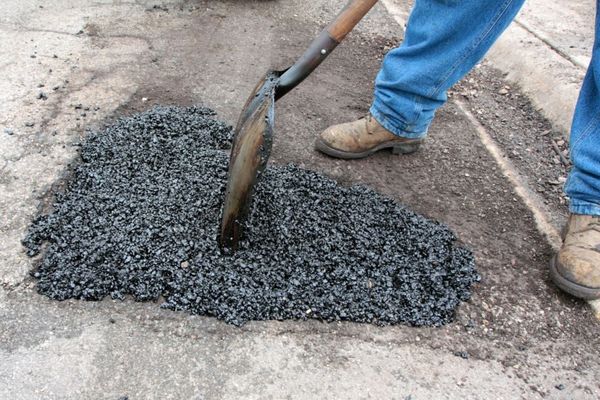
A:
[476, 44]
[588, 129]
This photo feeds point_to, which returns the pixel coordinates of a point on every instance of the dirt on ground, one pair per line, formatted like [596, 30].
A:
[532, 340]
[451, 179]
[539, 151]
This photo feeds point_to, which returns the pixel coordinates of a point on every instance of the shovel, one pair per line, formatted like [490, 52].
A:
[253, 135]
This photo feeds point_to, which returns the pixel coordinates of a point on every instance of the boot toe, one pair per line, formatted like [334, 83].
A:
[580, 266]
[334, 137]
[576, 273]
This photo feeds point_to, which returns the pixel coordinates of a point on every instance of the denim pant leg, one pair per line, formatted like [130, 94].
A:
[583, 185]
[444, 39]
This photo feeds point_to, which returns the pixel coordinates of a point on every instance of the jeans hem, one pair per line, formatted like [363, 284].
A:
[401, 130]
[584, 208]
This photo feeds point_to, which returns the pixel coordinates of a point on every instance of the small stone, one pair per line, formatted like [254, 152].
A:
[144, 99]
[112, 320]
[503, 91]
[29, 124]
[42, 96]
[9, 131]
[462, 354]
[560, 386]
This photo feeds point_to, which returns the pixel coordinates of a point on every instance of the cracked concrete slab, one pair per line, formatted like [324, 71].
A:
[518, 337]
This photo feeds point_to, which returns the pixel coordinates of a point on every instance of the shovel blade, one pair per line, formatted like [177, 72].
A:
[250, 152]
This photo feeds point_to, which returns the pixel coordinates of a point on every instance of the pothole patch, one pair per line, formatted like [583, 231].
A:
[139, 217]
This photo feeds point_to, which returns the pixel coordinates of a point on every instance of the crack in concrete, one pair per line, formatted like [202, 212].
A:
[550, 45]
[26, 29]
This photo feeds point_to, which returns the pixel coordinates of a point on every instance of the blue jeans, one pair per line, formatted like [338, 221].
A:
[444, 39]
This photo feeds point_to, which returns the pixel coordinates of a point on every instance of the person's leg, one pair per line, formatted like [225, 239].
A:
[576, 268]
[444, 39]
[583, 185]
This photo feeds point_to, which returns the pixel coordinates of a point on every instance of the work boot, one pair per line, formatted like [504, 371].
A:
[362, 138]
[576, 267]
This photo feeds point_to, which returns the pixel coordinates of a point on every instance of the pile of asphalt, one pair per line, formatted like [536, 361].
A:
[139, 217]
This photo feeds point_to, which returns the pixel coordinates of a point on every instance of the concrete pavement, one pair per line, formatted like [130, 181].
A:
[517, 338]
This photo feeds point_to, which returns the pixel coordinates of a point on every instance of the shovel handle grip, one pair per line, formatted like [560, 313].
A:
[350, 16]
[323, 45]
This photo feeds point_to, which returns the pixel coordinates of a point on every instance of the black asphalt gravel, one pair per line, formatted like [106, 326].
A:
[139, 217]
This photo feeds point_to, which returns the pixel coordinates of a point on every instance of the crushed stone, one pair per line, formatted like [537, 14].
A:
[139, 217]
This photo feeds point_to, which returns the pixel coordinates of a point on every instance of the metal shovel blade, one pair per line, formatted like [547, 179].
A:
[254, 131]
[250, 152]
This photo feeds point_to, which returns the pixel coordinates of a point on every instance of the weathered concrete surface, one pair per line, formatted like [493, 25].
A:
[522, 336]
[565, 26]
[150, 355]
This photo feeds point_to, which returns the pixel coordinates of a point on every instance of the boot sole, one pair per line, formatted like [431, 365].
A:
[397, 148]
[582, 292]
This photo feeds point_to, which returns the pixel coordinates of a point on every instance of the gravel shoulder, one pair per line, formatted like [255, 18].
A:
[537, 149]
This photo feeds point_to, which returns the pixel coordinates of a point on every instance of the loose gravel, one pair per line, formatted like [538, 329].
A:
[139, 217]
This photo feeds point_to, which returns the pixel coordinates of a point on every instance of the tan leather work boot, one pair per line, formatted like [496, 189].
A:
[576, 267]
[362, 138]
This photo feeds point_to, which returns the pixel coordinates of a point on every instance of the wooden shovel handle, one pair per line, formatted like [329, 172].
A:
[348, 18]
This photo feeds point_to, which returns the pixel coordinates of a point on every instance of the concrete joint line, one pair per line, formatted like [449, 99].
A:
[552, 46]
[510, 172]
[521, 189]
[400, 15]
